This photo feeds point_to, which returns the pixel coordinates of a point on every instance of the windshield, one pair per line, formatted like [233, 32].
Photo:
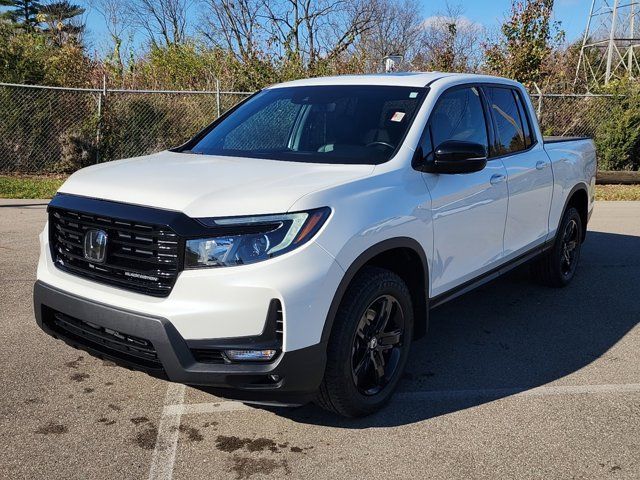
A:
[324, 124]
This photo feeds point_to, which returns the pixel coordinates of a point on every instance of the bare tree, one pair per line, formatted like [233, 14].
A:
[298, 31]
[164, 21]
[118, 24]
[342, 32]
[397, 30]
[450, 42]
[235, 25]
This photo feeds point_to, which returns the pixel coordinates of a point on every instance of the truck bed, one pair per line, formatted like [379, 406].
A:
[559, 139]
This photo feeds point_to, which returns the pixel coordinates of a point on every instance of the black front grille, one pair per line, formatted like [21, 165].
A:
[117, 345]
[141, 257]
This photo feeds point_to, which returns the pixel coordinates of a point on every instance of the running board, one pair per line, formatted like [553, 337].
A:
[490, 275]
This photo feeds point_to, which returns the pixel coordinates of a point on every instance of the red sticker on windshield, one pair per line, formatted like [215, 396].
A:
[397, 117]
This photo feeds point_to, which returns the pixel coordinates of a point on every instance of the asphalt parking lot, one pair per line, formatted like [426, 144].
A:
[513, 381]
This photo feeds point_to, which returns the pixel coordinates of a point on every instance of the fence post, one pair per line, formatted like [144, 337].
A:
[539, 110]
[101, 96]
[218, 96]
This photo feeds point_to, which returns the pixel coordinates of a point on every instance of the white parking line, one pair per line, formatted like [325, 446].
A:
[177, 410]
[164, 453]
[212, 407]
[542, 391]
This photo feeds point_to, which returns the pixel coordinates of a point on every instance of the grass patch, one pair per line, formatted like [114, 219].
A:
[29, 187]
[617, 192]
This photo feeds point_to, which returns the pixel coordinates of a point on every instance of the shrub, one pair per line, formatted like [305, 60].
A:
[618, 134]
[77, 151]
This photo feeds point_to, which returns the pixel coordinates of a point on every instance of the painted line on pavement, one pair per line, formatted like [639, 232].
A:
[211, 407]
[542, 391]
[164, 452]
[179, 409]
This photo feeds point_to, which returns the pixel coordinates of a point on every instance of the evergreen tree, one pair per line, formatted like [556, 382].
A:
[21, 13]
[62, 22]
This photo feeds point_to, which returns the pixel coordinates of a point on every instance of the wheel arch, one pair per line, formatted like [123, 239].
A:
[398, 255]
[578, 197]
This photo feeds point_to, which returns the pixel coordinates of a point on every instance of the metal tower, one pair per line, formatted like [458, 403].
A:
[611, 42]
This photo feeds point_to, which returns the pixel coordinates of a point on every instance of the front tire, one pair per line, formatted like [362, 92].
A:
[557, 267]
[369, 344]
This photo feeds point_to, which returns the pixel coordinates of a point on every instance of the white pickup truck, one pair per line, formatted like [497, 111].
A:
[291, 250]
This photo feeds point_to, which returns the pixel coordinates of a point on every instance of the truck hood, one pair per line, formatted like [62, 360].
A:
[207, 185]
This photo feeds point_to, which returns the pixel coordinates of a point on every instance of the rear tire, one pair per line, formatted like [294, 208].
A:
[557, 267]
[366, 354]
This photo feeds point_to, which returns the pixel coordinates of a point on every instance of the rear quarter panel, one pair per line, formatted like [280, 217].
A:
[574, 163]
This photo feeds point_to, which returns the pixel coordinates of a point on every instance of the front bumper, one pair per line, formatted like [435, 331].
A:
[299, 372]
[225, 302]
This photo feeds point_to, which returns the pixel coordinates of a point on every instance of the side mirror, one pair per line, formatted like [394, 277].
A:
[455, 156]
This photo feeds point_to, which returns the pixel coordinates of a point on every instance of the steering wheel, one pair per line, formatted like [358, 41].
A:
[384, 144]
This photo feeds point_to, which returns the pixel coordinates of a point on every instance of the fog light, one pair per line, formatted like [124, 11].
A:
[250, 355]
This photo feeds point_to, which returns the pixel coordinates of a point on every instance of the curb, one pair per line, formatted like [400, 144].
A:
[617, 178]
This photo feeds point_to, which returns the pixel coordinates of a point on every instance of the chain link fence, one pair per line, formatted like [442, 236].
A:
[47, 130]
[572, 114]
[59, 130]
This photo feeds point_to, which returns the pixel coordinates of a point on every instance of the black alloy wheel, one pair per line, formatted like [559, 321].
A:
[369, 344]
[377, 345]
[570, 239]
[557, 266]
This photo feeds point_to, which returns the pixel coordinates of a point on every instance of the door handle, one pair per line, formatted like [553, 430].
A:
[497, 178]
[540, 164]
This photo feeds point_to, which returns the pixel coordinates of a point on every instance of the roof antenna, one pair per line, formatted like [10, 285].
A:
[392, 63]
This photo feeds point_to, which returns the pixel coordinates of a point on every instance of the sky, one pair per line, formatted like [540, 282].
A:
[571, 13]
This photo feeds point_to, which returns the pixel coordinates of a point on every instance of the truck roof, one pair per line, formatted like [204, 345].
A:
[405, 79]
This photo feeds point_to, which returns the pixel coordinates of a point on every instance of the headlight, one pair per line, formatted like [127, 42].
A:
[243, 240]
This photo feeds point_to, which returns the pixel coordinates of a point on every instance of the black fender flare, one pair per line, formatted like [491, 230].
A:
[363, 259]
[580, 186]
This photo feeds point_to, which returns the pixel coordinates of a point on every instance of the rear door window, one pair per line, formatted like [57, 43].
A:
[510, 136]
[526, 125]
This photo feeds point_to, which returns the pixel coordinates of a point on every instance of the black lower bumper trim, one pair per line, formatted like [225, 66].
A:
[134, 350]
[292, 378]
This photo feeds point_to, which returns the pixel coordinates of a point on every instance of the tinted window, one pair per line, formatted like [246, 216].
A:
[510, 134]
[260, 132]
[524, 119]
[458, 115]
[327, 124]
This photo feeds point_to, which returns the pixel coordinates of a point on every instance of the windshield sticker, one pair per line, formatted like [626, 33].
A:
[397, 117]
[413, 94]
